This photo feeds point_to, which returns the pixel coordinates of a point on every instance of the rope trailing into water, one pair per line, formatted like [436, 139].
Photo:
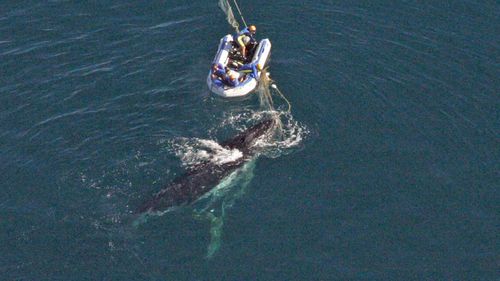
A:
[226, 8]
[239, 11]
[274, 86]
[264, 91]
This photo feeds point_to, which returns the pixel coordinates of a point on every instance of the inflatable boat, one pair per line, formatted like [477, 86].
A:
[228, 58]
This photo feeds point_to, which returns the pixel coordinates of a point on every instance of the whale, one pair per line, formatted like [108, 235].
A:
[202, 178]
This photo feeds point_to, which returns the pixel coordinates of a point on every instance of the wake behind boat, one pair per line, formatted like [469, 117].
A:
[238, 64]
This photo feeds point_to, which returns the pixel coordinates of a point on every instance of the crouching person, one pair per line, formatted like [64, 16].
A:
[250, 69]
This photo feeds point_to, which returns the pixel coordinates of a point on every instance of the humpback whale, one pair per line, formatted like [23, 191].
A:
[202, 178]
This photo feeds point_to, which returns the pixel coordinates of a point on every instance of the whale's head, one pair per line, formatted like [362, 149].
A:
[245, 140]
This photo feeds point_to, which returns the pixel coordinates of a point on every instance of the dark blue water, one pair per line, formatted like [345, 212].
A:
[390, 169]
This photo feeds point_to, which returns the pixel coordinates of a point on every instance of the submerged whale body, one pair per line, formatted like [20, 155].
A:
[202, 178]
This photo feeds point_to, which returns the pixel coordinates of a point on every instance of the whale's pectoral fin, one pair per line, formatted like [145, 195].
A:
[216, 223]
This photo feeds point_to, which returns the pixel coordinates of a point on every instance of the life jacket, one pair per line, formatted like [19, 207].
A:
[246, 32]
[220, 72]
[250, 69]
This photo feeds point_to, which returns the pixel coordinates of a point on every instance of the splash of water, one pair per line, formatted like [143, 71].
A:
[196, 151]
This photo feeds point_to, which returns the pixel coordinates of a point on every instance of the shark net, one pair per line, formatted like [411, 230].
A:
[226, 8]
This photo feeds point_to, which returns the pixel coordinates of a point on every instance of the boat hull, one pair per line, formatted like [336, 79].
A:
[260, 59]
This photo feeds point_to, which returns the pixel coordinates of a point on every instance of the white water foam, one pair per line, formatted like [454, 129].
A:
[289, 135]
[197, 151]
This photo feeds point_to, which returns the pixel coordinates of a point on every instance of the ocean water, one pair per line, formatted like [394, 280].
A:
[388, 170]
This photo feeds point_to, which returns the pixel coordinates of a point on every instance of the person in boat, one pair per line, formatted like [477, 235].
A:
[246, 39]
[232, 78]
[218, 74]
[250, 69]
[218, 71]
